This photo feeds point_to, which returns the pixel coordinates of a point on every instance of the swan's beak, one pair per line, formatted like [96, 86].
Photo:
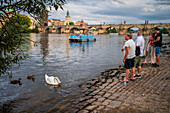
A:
[59, 84]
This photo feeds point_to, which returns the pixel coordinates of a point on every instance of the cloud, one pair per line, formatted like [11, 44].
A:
[162, 2]
[113, 11]
[148, 9]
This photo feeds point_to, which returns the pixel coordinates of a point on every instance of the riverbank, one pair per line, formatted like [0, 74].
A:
[106, 94]
[148, 94]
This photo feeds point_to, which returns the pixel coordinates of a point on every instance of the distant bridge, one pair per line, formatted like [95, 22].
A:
[103, 29]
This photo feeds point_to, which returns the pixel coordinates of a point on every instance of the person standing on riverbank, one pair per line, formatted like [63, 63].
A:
[140, 43]
[150, 50]
[158, 46]
[129, 56]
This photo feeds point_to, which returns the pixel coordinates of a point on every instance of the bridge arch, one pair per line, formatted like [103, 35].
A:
[93, 28]
[108, 27]
[47, 30]
[160, 25]
[72, 30]
[89, 27]
[59, 30]
[45, 24]
[163, 29]
[133, 29]
[99, 28]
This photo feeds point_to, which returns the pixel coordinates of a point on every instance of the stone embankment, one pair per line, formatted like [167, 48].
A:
[106, 94]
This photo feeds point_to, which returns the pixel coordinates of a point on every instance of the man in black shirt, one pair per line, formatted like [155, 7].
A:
[158, 46]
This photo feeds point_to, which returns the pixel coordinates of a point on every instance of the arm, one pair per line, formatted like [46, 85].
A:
[147, 44]
[126, 53]
[123, 48]
[149, 41]
[158, 38]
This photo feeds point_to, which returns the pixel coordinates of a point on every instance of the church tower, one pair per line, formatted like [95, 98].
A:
[67, 18]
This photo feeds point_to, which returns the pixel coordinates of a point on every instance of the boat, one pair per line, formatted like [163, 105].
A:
[81, 38]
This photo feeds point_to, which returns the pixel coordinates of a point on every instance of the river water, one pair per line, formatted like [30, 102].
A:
[72, 63]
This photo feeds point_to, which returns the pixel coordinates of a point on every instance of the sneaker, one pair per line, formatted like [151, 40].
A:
[155, 65]
[137, 76]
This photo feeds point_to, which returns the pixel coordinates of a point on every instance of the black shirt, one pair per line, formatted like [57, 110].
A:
[159, 43]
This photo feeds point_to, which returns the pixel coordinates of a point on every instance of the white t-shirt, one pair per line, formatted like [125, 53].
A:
[140, 42]
[131, 44]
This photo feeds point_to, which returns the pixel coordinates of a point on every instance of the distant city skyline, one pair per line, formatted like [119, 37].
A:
[113, 11]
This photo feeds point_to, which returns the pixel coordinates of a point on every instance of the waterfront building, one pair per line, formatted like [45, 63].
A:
[55, 22]
[81, 23]
[60, 23]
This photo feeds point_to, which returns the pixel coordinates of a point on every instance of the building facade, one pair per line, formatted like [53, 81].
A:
[80, 23]
[55, 22]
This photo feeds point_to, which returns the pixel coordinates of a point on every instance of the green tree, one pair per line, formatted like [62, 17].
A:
[11, 39]
[71, 23]
[113, 30]
[164, 31]
[22, 22]
[35, 30]
[130, 30]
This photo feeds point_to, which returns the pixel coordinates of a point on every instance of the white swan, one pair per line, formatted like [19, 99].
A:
[52, 80]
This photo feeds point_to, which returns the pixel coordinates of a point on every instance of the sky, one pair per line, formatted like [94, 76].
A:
[113, 11]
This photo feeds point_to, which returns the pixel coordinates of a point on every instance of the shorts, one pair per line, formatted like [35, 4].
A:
[129, 63]
[137, 61]
[157, 50]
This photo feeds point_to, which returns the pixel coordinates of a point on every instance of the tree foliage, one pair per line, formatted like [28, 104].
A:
[164, 31]
[130, 30]
[112, 30]
[22, 22]
[11, 38]
[71, 23]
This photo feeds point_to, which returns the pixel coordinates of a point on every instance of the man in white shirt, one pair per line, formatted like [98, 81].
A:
[129, 56]
[140, 43]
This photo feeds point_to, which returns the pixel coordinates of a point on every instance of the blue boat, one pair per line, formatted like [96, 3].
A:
[81, 38]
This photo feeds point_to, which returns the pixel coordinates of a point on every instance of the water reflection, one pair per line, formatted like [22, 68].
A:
[67, 47]
[82, 45]
[44, 46]
[55, 88]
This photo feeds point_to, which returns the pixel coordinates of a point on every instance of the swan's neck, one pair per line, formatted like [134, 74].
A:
[55, 79]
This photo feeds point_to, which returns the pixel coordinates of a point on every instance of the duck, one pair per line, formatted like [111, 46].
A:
[16, 81]
[51, 80]
[31, 77]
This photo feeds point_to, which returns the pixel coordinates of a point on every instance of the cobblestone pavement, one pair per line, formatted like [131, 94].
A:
[150, 94]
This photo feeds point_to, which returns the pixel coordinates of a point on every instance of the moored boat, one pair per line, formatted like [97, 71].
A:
[81, 38]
